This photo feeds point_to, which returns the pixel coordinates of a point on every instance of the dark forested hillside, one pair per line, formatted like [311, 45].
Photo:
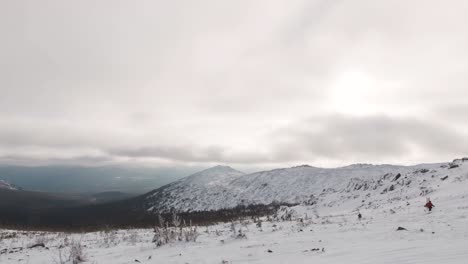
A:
[124, 213]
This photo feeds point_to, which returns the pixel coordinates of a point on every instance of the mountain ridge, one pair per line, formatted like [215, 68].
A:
[294, 185]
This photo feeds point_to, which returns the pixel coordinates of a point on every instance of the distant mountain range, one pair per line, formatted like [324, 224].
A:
[7, 186]
[78, 179]
[354, 187]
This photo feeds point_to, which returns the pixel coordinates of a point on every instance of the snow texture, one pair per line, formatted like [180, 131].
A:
[324, 228]
[223, 187]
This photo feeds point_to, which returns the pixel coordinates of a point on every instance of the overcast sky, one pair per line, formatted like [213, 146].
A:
[243, 83]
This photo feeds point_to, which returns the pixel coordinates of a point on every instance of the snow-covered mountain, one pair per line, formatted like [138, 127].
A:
[195, 192]
[367, 185]
[6, 186]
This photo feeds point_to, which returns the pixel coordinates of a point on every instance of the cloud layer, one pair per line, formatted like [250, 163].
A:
[245, 82]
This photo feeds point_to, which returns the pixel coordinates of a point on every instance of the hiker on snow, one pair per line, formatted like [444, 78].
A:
[429, 204]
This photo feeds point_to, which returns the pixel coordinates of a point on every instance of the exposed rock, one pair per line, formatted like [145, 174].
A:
[37, 245]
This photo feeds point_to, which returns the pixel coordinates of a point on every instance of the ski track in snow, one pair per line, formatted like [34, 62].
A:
[440, 236]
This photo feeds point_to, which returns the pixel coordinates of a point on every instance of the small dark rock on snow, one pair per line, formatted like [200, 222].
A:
[37, 245]
[401, 228]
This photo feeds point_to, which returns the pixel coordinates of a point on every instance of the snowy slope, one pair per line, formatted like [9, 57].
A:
[326, 235]
[195, 192]
[224, 187]
[324, 229]
[5, 185]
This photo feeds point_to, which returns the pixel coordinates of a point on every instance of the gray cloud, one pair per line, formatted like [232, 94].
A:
[178, 153]
[374, 138]
[233, 82]
[212, 154]
[38, 160]
[331, 137]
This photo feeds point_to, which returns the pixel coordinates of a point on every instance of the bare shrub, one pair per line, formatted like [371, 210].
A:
[109, 238]
[160, 221]
[73, 254]
[178, 232]
[240, 234]
[237, 233]
[132, 237]
[175, 220]
[259, 225]
[76, 252]
[233, 229]
[60, 257]
[191, 234]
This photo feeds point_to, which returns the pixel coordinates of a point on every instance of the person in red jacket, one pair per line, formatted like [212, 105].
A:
[429, 204]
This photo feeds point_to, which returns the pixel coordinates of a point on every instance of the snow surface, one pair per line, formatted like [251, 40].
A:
[323, 230]
[196, 191]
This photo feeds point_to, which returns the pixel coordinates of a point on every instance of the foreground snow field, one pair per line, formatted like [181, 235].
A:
[325, 231]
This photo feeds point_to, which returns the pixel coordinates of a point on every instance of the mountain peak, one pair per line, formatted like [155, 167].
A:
[303, 166]
[358, 166]
[220, 168]
[217, 175]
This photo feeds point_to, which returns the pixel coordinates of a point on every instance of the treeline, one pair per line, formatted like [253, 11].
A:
[130, 213]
